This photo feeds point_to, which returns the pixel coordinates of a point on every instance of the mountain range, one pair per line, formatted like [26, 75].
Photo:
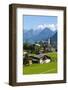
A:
[33, 36]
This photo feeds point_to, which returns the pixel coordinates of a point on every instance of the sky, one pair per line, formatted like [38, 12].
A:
[36, 22]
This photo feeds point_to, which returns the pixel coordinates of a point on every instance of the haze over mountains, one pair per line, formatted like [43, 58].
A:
[32, 36]
[54, 40]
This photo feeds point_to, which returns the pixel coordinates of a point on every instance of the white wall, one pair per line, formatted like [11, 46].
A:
[4, 44]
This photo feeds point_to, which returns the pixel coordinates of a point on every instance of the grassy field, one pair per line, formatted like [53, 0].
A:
[42, 68]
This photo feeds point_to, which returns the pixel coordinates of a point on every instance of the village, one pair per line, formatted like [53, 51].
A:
[37, 52]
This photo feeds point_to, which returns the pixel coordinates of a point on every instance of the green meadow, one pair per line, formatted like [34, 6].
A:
[42, 68]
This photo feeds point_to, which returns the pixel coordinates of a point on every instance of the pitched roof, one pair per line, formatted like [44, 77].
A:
[39, 56]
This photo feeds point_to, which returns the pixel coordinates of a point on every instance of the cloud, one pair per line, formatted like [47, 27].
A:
[53, 27]
[40, 27]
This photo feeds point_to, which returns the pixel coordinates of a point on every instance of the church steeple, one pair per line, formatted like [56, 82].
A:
[49, 41]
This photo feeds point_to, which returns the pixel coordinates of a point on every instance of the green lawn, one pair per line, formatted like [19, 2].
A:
[42, 68]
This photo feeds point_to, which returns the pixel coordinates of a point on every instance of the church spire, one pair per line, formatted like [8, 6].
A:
[49, 41]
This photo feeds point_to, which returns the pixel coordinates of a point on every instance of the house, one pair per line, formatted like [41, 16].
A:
[40, 58]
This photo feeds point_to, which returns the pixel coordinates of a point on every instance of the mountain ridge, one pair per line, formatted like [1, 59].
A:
[33, 36]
